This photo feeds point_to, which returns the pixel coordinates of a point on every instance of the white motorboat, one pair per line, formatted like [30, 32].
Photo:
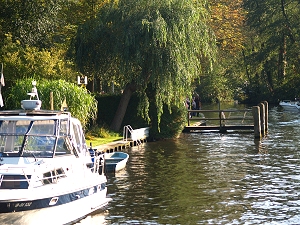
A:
[47, 174]
[290, 105]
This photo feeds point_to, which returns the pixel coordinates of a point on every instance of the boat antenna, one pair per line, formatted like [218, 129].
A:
[34, 91]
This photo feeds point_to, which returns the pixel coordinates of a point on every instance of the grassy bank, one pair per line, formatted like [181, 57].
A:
[101, 141]
[100, 136]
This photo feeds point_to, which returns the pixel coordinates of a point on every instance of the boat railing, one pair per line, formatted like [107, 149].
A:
[7, 182]
[97, 164]
[22, 181]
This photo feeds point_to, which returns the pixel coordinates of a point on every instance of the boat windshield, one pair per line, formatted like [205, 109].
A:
[34, 138]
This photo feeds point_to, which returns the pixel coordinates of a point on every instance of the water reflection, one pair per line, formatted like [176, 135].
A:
[212, 178]
[97, 218]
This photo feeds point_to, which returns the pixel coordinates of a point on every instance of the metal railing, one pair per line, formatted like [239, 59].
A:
[126, 129]
[136, 135]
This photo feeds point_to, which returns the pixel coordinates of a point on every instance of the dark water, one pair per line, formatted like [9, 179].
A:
[211, 178]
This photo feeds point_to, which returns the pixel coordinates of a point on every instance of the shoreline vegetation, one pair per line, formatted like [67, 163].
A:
[100, 136]
[101, 141]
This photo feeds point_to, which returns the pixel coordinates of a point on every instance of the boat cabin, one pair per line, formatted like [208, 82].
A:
[31, 137]
[44, 162]
[41, 134]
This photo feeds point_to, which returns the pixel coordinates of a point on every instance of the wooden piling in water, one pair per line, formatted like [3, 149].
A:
[259, 118]
[266, 115]
[262, 118]
[257, 121]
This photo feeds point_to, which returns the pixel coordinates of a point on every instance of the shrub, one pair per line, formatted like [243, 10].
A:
[81, 103]
[171, 124]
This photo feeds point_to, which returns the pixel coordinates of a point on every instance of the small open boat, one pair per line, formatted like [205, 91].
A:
[115, 161]
[47, 175]
[290, 105]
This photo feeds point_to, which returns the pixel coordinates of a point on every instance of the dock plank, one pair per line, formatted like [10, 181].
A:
[117, 145]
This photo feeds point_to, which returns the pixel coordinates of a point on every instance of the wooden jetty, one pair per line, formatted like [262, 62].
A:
[131, 137]
[118, 145]
[257, 118]
[254, 120]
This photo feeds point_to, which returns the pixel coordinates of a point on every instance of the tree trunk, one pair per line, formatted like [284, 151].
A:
[282, 59]
[120, 113]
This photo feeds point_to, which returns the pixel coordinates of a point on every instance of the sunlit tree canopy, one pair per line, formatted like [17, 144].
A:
[164, 44]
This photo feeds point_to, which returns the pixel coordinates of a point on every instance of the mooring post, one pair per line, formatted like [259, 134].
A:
[266, 104]
[219, 106]
[262, 118]
[256, 118]
[51, 101]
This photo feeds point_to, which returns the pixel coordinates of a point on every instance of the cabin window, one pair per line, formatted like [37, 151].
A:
[53, 176]
[43, 127]
[60, 173]
[39, 146]
[63, 128]
[36, 138]
[62, 148]
[47, 178]
[77, 137]
[11, 137]
[14, 182]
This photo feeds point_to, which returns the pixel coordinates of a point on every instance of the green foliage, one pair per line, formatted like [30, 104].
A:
[100, 132]
[29, 62]
[215, 87]
[171, 124]
[80, 103]
[95, 141]
[44, 24]
[106, 114]
[164, 44]
[34, 22]
[272, 56]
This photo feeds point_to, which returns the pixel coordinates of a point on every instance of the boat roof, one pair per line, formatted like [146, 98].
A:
[33, 114]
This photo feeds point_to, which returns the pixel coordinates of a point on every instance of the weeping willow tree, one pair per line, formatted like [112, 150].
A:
[148, 46]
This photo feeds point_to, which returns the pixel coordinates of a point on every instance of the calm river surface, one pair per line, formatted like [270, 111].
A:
[211, 178]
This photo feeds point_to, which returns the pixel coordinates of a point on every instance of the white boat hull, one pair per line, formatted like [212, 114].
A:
[116, 161]
[62, 214]
[290, 105]
[47, 173]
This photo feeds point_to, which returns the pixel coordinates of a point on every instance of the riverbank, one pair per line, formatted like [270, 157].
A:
[118, 145]
[95, 141]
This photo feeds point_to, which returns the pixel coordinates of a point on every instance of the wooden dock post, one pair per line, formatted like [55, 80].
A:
[259, 118]
[266, 104]
[51, 101]
[262, 118]
[257, 121]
